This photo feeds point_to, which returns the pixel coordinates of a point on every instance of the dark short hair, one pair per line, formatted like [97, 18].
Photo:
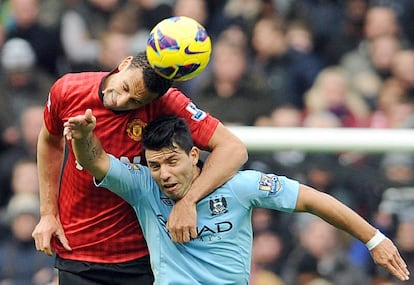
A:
[152, 80]
[164, 131]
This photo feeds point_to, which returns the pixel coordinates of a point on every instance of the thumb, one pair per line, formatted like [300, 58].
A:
[88, 114]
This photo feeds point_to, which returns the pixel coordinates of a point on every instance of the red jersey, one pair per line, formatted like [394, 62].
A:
[100, 226]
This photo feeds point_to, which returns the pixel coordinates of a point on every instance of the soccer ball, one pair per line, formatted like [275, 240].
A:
[178, 48]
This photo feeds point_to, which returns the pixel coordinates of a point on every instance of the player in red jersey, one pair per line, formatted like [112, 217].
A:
[95, 234]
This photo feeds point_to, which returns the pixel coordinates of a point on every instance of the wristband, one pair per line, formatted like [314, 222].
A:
[375, 240]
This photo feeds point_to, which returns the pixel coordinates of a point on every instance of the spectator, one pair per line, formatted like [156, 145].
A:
[82, 27]
[20, 263]
[392, 94]
[306, 64]
[351, 32]
[266, 254]
[368, 71]
[230, 83]
[22, 84]
[323, 242]
[308, 273]
[332, 92]
[30, 123]
[325, 19]
[268, 251]
[44, 40]
[381, 20]
[153, 11]
[286, 162]
[270, 59]
[115, 46]
[323, 171]
[288, 71]
[196, 9]
[402, 67]
[24, 177]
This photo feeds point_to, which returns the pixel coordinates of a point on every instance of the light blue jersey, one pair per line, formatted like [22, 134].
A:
[221, 252]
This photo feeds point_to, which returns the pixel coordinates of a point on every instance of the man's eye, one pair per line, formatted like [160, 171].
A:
[154, 167]
[135, 102]
[173, 162]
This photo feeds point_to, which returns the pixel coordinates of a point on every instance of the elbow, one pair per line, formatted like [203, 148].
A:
[241, 152]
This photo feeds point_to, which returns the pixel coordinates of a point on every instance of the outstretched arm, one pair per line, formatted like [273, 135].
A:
[226, 158]
[382, 249]
[86, 146]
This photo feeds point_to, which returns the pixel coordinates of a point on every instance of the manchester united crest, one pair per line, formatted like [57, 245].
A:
[134, 129]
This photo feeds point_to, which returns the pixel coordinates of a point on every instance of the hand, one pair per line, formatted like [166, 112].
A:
[182, 222]
[47, 227]
[80, 126]
[387, 255]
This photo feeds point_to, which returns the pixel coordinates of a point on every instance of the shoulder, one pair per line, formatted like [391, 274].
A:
[174, 94]
[78, 81]
[245, 177]
[73, 78]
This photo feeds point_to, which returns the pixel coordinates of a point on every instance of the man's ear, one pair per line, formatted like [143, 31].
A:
[125, 63]
[195, 154]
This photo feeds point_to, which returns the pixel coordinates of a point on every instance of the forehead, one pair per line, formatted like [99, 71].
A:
[163, 154]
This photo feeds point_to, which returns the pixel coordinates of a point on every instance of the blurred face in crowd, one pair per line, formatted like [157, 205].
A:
[380, 21]
[25, 12]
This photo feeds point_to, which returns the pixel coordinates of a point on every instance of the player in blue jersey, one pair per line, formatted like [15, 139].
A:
[221, 252]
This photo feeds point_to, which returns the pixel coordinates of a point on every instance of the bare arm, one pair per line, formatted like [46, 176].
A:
[344, 218]
[86, 146]
[227, 156]
[50, 154]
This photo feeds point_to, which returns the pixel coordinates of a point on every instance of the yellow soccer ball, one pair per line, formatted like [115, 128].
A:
[178, 48]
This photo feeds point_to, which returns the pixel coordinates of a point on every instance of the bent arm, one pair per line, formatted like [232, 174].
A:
[90, 154]
[86, 146]
[341, 216]
[227, 157]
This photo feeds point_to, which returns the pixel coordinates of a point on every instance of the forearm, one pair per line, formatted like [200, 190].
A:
[90, 154]
[220, 166]
[337, 214]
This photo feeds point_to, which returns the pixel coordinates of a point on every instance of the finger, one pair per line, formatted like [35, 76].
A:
[64, 241]
[48, 251]
[37, 244]
[401, 263]
[171, 233]
[186, 236]
[399, 269]
[394, 269]
[174, 237]
[193, 232]
[67, 133]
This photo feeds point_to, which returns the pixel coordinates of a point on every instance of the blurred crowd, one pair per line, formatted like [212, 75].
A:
[280, 63]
